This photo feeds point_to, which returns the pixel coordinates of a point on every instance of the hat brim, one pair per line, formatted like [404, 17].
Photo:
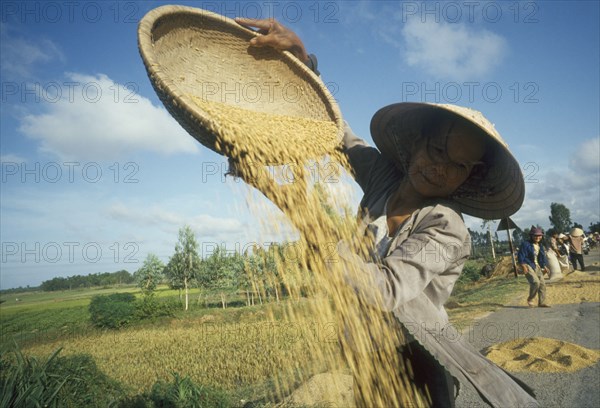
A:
[501, 191]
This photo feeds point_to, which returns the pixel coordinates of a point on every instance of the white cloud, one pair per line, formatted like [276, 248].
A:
[451, 51]
[576, 186]
[93, 117]
[587, 157]
[20, 57]
[203, 225]
[12, 158]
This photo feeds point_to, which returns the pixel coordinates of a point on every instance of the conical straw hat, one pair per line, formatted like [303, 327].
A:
[495, 195]
[576, 232]
[200, 65]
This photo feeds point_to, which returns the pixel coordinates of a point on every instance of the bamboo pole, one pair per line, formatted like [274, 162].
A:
[512, 251]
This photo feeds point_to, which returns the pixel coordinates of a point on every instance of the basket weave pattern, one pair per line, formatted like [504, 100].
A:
[190, 53]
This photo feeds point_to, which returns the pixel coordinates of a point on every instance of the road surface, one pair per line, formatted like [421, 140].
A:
[573, 323]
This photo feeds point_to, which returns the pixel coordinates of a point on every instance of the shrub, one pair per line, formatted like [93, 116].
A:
[71, 381]
[112, 311]
[184, 393]
[470, 272]
[120, 309]
[148, 307]
[26, 382]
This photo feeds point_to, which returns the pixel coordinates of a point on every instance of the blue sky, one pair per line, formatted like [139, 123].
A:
[96, 174]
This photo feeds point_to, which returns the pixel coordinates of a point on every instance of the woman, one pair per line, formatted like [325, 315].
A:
[433, 163]
[563, 249]
[532, 258]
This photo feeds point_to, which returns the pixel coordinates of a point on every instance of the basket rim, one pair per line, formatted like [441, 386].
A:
[181, 101]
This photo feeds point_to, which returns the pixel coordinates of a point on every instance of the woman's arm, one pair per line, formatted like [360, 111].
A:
[361, 156]
[522, 254]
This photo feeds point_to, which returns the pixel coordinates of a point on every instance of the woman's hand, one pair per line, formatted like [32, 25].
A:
[275, 35]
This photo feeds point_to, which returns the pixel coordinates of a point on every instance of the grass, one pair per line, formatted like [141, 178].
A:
[471, 301]
[56, 300]
[40, 325]
[233, 348]
[48, 316]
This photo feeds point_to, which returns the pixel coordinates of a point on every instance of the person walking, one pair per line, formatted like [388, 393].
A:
[532, 258]
[576, 248]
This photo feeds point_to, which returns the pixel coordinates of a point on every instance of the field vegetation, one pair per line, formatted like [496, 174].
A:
[225, 356]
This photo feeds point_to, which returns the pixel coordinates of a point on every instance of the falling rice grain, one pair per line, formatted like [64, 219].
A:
[366, 338]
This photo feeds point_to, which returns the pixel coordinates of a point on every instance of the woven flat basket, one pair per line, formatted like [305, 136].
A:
[191, 54]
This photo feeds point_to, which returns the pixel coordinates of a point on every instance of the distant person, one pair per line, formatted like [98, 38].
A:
[553, 257]
[563, 249]
[576, 248]
[532, 259]
[554, 243]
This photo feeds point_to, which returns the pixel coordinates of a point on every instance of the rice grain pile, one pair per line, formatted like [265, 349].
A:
[271, 135]
[575, 287]
[541, 355]
[367, 341]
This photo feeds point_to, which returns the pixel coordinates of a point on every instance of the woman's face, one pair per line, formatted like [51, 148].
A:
[439, 165]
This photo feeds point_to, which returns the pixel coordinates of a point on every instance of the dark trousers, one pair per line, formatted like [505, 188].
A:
[429, 376]
[423, 372]
[577, 257]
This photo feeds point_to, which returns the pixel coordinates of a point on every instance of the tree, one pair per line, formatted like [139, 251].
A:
[123, 277]
[173, 281]
[490, 240]
[221, 271]
[184, 265]
[338, 216]
[261, 272]
[560, 217]
[517, 236]
[594, 227]
[149, 275]
[94, 279]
